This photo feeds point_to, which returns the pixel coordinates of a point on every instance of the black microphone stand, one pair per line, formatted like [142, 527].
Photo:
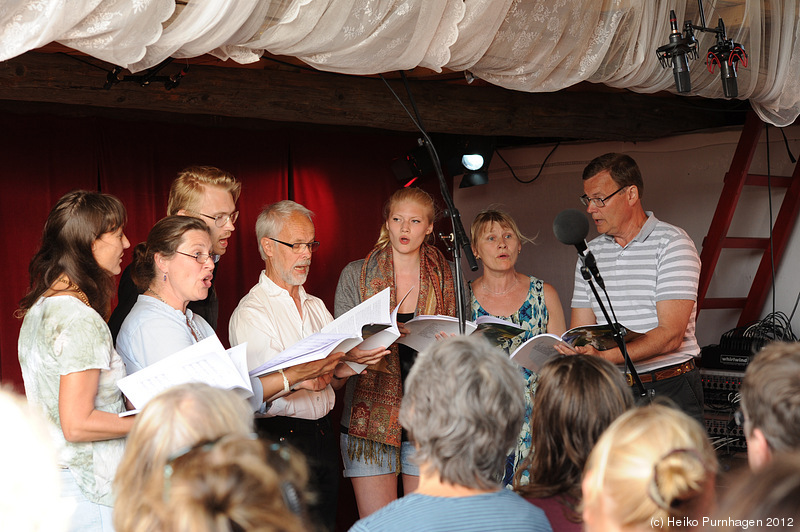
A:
[619, 332]
[458, 237]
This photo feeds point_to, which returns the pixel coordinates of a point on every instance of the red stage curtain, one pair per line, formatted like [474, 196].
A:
[41, 162]
[139, 169]
[344, 177]
[46, 156]
[346, 184]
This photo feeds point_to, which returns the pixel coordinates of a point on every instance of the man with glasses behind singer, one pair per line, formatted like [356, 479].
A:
[651, 271]
[207, 193]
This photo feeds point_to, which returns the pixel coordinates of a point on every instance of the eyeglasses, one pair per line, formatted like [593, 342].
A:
[221, 220]
[298, 247]
[599, 202]
[204, 447]
[201, 258]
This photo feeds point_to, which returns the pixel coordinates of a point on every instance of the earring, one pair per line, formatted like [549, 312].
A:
[165, 276]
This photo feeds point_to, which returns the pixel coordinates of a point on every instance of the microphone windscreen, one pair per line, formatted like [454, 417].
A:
[571, 227]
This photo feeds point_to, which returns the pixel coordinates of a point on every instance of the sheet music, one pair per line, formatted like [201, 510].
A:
[206, 361]
[373, 310]
[383, 338]
[311, 348]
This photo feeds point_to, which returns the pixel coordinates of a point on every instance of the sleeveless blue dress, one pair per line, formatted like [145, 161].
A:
[531, 316]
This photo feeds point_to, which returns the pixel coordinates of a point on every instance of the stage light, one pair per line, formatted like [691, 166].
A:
[412, 166]
[472, 160]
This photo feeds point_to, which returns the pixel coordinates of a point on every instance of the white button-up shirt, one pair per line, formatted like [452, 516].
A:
[268, 320]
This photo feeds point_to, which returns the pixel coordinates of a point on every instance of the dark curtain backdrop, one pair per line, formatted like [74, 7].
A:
[346, 184]
[344, 177]
[42, 159]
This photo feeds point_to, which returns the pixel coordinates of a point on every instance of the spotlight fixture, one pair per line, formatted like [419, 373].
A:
[683, 46]
[472, 160]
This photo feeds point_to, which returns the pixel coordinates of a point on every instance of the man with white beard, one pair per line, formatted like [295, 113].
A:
[273, 316]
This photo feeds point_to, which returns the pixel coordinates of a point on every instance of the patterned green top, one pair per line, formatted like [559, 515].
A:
[61, 335]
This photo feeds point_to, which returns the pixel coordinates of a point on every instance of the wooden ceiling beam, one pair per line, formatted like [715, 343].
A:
[293, 95]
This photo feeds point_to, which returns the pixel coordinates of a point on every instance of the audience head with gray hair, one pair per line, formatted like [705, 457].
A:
[463, 408]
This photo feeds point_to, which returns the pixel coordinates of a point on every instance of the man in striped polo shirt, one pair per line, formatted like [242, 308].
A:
[651, 271]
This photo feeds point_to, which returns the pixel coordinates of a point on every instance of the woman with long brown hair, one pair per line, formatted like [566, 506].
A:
[373, 446]
[578, 397]
[69, 364]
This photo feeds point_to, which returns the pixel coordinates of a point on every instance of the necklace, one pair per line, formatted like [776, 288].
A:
[77, 289]
[189, 323]
[157, 296]
[504, 292]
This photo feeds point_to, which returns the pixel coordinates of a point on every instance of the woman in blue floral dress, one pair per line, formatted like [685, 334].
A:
[505, 293]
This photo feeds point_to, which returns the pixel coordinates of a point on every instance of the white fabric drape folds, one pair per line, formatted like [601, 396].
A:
[525, 45]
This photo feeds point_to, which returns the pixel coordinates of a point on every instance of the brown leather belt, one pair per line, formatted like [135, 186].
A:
[663, 373]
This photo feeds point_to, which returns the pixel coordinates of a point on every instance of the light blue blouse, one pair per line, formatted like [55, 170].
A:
[153, 331]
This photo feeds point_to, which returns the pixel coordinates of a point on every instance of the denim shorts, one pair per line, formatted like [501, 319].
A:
[382, 464]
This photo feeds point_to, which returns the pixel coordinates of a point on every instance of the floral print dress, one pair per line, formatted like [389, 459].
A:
[531, 316]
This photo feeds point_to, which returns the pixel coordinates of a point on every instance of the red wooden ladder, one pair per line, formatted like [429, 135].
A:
[717, 239]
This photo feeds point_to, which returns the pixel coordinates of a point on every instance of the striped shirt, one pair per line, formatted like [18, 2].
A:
[660, 264]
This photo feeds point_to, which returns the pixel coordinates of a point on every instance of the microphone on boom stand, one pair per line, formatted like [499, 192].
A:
[571, 228]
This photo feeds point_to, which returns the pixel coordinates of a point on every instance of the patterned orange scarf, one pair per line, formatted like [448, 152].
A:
[377, 396]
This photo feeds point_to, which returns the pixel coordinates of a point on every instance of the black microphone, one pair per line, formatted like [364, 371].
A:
[680, 65]
[571, 228]
[680, 72]
[727, 55]
[676, 52]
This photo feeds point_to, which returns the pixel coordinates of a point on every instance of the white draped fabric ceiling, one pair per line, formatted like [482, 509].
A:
[525, 45]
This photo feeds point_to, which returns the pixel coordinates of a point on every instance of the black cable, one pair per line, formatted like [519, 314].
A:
[771, 246]
[411, 99]
[301, 67]
[78, 58]
[506, 162]
[541, 167]
[410, 116]
[786, 142]
[794, 308]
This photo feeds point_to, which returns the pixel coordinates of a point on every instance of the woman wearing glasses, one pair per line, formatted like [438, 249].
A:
[372, 443]
[68, 362]
[173, 267]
